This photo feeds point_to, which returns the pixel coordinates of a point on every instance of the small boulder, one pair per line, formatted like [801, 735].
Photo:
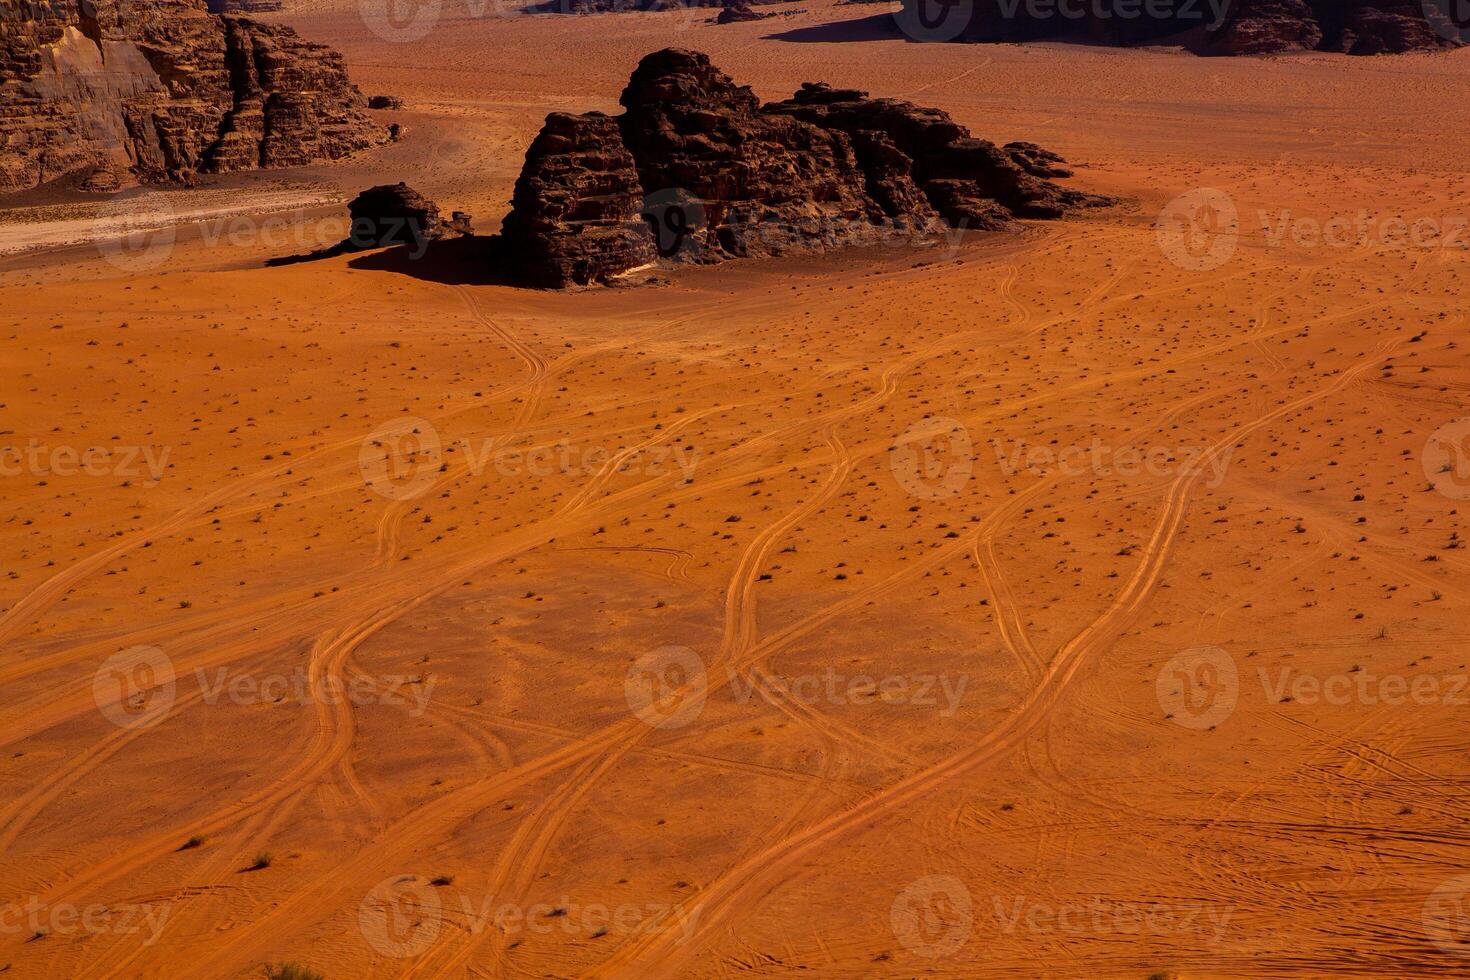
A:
[1036, 161]
[737, 11]
[396, 214]
[103, 180]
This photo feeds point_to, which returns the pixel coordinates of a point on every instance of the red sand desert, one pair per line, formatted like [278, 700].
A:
[1084, 601]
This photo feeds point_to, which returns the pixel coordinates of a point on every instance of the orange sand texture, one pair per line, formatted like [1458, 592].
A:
[1085, 602]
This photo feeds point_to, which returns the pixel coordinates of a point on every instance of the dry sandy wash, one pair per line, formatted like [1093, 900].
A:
[1088, 602]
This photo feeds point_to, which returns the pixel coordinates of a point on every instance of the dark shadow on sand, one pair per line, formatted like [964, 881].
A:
[883, 27]
[878, 27]
[472, 260]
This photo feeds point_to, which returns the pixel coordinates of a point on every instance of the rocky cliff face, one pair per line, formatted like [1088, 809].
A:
[903, 149]
[1391, 26]
[697, 169]
[160, 90]
[245, 6]
[575, 213]
[1208, 27]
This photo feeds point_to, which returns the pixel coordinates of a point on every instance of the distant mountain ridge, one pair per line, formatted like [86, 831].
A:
[1208, 27]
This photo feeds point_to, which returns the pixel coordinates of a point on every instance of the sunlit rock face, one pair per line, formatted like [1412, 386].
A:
[112, 91]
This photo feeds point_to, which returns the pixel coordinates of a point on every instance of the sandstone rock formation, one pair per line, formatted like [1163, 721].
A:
[1036, 161]
[1264, 27]
[1391, 26]
[396, 214]
[245, 6]
[1208, 28]
[739, 11]
[696, 169]
[575, 212]
[160, 90]
[972, 182]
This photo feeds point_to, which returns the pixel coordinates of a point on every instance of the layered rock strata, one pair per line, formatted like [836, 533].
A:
[109, 91]
[696, 169]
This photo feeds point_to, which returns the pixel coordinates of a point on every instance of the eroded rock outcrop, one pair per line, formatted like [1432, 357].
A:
[1263, 27]
[575, 216]
[697, 169]
[738, 12]
[1208, 27]
[245, 6]
[160, 90]
[971, 182]
[396, 214]
[1392, 26]
[1036, 161]
[766, 180]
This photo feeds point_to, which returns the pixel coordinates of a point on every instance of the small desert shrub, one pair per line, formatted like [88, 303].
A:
[290, 971]
[262, 860]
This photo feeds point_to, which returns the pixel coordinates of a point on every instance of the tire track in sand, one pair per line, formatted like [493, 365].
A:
[739, 890]
[533, 840]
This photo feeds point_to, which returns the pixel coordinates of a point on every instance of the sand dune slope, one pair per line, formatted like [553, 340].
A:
[1083, 602]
